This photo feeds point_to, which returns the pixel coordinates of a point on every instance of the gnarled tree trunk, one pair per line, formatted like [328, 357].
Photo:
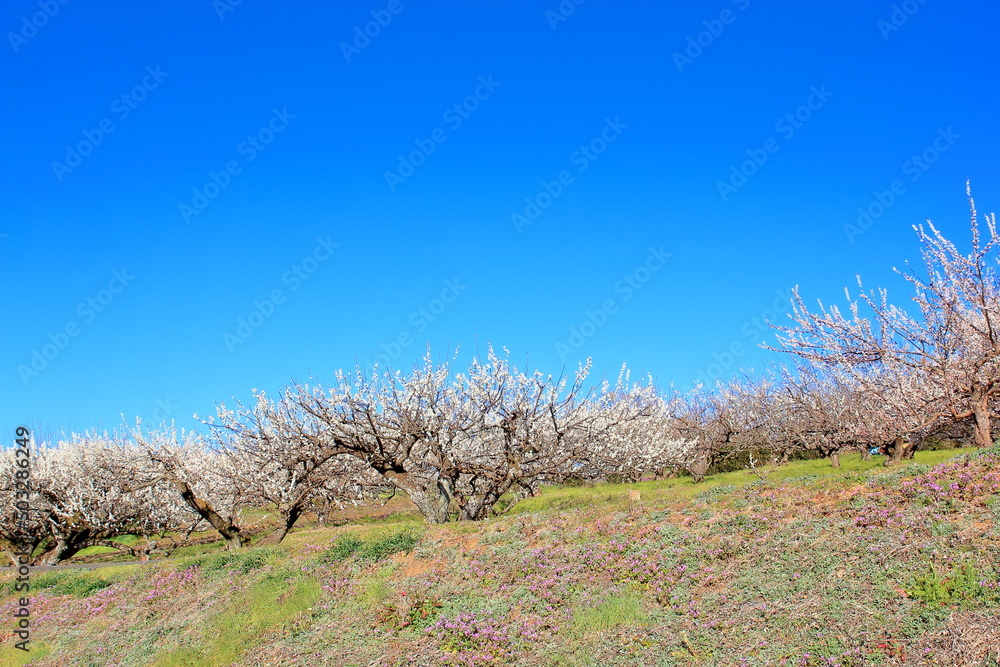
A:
[229, 531]
[699, 467]
[433, 499]
[981, 428]
[900, 448]
[288, 520]
[64, 546]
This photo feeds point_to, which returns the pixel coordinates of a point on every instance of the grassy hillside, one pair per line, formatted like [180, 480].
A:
[814, 566]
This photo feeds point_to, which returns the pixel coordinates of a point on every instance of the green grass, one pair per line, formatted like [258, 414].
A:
[127, 540]
[373, 549]
[407, 516]
[343, 548]
[377, 589]
[133, 540]
[242, 561]
[199, 549]
[78, 583]
[852, 467]
[613, 612]
[12, 657]
[271, 605]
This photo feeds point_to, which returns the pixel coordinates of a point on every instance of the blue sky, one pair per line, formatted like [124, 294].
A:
[201, 198]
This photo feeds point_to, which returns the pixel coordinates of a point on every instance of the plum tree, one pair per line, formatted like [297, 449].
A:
[935, 363]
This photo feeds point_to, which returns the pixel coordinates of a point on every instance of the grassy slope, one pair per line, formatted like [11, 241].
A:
[816, 566]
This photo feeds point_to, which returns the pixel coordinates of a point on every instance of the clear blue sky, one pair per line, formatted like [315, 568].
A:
[249, 148]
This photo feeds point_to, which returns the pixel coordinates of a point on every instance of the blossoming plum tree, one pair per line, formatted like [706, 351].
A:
[202, 480]
[83, 498]
[935, 363]
[281, 458]
[458, 443]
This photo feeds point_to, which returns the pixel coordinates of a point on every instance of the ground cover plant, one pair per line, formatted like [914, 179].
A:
[863, 565]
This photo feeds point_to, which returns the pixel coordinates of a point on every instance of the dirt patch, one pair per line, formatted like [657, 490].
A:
[413, 566]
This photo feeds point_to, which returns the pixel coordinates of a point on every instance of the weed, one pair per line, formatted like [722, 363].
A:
[965, 585]
[67, 582]
[383, 547]
[942, 528]
[269, 606]
[244, 561]
[423, 613]
[378, 590]
[715, 493]
[343, 548]
[741, 523]
[379, 548]
[615, 611]
[802, 479]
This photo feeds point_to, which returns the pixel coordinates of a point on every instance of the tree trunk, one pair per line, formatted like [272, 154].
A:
[64, 547]
[866, 454]
[896, 451]
[54, 553]
[431, 498]
[699, 467]
[432, 504]
[981, 420]
[835, 459]
[288, 520]
[227, 529]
